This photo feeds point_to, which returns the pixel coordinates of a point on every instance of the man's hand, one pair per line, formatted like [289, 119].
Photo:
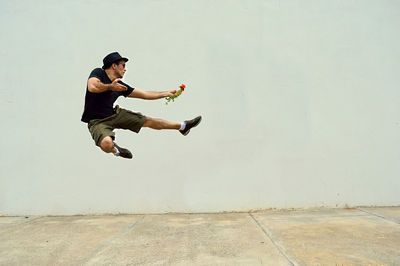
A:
[115, 86]
[170, 93]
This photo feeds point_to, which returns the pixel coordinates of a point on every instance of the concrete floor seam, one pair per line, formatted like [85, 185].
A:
[306, 237]
[380, 216]
[109, 242]
[280, 249]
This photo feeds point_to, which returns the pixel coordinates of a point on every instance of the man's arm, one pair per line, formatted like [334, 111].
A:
[96, 86]
[150, 95]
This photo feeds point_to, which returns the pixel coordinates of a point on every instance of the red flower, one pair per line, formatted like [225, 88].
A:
[182, 87]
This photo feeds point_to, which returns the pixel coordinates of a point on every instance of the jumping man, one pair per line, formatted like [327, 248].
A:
[103, 88]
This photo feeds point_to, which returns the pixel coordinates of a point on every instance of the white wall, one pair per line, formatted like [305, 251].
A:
[300, 105]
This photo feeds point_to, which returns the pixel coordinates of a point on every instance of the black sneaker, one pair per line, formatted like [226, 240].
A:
[125, 153]
[190, 124]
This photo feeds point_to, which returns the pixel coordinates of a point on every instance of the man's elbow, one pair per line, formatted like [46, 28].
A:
[94, 85]
[92, 88]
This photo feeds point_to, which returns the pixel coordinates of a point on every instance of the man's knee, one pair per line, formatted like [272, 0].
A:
[107, 144]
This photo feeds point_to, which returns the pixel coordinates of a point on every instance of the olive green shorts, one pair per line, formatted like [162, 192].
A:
[121, 119]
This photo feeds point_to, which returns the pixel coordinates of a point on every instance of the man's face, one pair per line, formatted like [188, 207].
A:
[120, 69]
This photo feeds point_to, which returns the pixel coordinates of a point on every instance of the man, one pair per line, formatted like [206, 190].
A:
[103, 88]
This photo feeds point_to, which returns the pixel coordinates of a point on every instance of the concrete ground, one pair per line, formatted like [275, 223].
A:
[362, 236]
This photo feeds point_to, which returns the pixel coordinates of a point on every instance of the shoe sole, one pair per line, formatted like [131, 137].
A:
[127, 156]
[195, 125]
[124, 153]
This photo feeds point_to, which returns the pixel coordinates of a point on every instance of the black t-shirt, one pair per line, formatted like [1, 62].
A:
[101, 105]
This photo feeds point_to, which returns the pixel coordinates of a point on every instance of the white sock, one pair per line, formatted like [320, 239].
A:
[117, 151]
[183, 125]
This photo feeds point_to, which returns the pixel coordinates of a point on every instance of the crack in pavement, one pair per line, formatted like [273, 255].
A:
[280, 249]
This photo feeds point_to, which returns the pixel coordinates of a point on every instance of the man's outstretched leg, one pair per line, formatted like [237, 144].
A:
[108, 145]
[183, 127]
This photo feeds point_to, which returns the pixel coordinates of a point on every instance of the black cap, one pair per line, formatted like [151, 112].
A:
[112, 58]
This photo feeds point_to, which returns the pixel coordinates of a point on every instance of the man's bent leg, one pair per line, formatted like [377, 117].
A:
[107, 145]
[158, 124]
